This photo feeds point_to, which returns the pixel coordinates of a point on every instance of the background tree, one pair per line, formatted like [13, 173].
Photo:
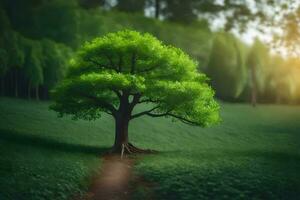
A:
[226, 66]
[115, 73]
[157, 6]
[176, 10]
[13, 45]
[3, 69]
[54, 61]
[33, 66]
[257, 63]
[66, 25]
[285, 80]
[131, 5]
[91, 3]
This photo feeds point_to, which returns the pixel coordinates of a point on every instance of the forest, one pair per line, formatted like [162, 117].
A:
[38, 38]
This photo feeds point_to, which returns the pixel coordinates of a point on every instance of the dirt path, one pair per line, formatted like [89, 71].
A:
[112, 183]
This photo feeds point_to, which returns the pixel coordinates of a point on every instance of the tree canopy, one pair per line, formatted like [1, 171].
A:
[115, 73]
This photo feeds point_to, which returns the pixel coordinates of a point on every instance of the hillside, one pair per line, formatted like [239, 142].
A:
[254, 153]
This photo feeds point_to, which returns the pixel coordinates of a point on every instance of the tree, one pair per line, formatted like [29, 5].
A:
[91, 3]
[257, 62]
[57, 20]
[226, 66]
[54, 61]
[3, 68]
[131, 5]
[157, 6]
[33, 66]
[121, 70]
[179, 11]
[4, 26]
[13, 46]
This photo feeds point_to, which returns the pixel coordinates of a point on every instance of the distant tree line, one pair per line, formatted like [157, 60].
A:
[242, 73]
[38, 37]
[29, 67]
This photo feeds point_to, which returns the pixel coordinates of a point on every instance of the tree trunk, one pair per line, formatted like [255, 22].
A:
[157, 8]
[2, 86]
[121, 133]
[254, 87]
[29, 90]
[16, 84]
[37, 93]
[122, 118]
[45, 93]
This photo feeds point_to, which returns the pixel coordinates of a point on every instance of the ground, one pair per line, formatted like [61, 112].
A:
[252, 154]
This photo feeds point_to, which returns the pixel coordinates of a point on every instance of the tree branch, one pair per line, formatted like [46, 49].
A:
[135, 100]
[147, 112]
[148, 101]
[112, 63]
[107, 112]
[118, 93]
[168, 113]
[94, 62]
[184, 120]
[102, 65]
[103, 104]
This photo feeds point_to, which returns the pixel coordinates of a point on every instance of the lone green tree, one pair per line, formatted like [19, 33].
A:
[117, 72]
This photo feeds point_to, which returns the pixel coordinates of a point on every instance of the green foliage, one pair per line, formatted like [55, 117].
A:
[63, 27]
[226, 66]
[131, 5]
[33, 62]
[258, 59]
[139, 65]
[12, 43]
[95, 23]
[91, 3]
[39, 61]
[55, 60]
[3, 62]
[285, 82]
[4, 21]
[67, 25]
[178, 11]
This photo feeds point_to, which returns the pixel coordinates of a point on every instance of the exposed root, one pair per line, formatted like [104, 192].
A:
[128, 148]
[134, 149]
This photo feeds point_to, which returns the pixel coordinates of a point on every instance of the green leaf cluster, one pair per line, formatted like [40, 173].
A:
[142, 68]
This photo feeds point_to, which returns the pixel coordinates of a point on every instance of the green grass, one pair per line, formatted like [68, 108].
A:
[253, 154]
[44, 157]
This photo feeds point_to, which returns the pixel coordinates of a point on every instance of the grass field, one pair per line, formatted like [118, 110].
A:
[253, 154]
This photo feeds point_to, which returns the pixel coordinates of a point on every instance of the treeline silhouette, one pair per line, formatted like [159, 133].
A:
[38, 37]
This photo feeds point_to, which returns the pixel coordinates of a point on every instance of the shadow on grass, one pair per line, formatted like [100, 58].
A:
[49, 144]
[226, 153]
[225, 183]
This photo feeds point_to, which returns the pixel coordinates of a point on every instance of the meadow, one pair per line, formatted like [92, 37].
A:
[253, 154]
